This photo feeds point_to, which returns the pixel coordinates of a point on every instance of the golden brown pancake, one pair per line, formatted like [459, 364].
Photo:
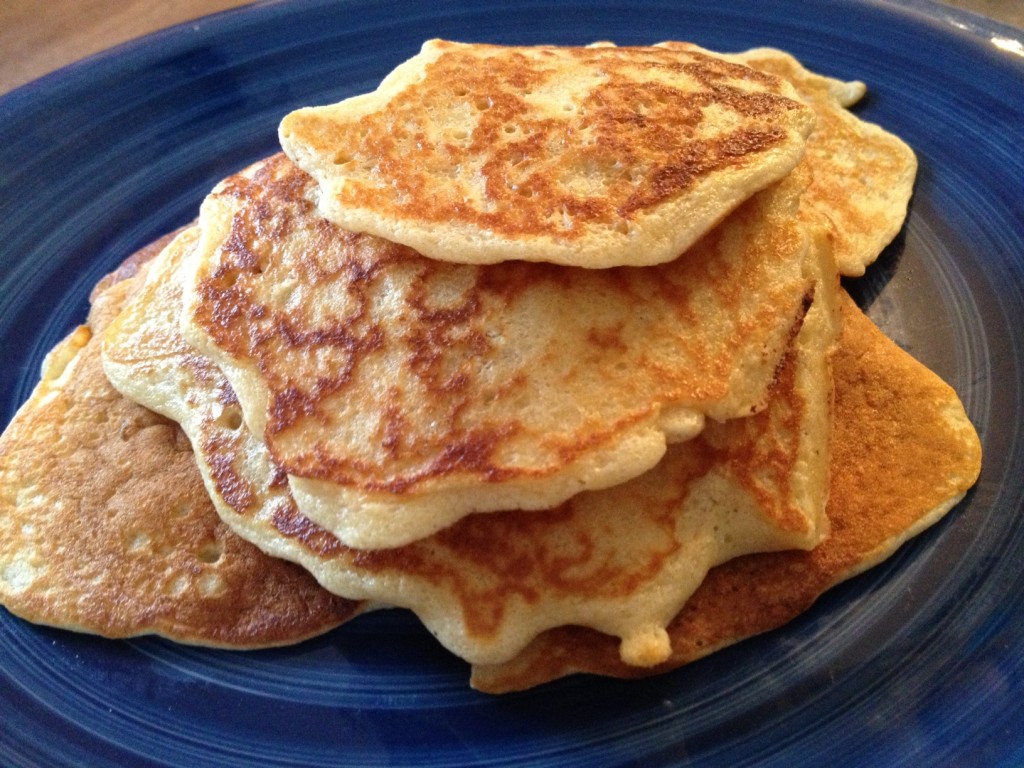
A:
[903, 454]
[623, 559]
[592, 157]
[394, 394]
[105, 526]
[401, 393]
[862, 175]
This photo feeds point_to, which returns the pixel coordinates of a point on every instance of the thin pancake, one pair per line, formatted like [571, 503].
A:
[903, 454]
[623, 559]
[590, 157]
[105, 526]
[862, 175]
[401, 393]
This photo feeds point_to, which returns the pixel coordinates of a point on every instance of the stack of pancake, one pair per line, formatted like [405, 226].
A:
[546, 345]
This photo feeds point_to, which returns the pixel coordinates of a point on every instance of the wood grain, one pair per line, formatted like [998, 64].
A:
[38, 37]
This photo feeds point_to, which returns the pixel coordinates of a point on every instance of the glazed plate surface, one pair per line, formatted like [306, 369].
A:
[918, 662]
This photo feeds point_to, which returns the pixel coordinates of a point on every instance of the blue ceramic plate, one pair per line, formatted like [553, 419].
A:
[918, 662]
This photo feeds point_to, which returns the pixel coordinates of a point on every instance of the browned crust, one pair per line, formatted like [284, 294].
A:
[640, 136]
[444, 349]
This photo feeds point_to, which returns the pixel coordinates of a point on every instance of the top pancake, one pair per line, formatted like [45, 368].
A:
[106, 528]
[593, 156]
[400, 393]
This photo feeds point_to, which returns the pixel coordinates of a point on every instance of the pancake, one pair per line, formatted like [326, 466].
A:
[591, 157]
[623, 560]
[400, 393]
[903, 455]
[106, 528]
[862, 175]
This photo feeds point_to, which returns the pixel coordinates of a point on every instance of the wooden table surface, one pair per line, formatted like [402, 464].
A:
[39, 36]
